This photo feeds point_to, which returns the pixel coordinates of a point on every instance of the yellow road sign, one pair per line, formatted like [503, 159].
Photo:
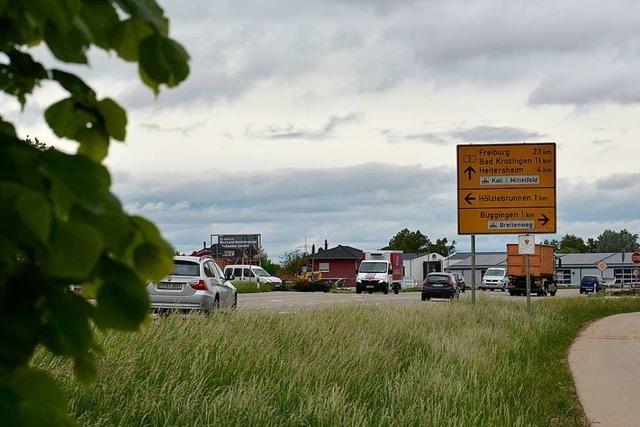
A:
[506, 221]
[507, 197]
[507, 165]
[507, 188]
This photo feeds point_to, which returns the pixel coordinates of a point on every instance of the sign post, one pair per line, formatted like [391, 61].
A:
[526, 247]
[473, 270]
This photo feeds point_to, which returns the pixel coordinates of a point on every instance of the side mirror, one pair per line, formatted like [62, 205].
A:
[391, 271]
[229, 276]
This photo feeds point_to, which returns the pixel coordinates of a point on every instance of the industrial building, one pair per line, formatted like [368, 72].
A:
[571, 268]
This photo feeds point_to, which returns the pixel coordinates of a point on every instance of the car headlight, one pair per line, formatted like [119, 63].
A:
[358, 280]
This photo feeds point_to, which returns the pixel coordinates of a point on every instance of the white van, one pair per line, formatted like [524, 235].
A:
[252, 273]
[495, 278]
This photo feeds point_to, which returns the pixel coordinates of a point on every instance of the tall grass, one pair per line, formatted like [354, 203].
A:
[433, 364]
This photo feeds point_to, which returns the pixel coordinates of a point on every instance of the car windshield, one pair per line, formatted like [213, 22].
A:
[589, 279]
[438, 278]
[495, 272]
[373, 267]
[260, 272]
[185, 268]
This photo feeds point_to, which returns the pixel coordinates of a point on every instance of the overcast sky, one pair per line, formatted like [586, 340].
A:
[338, 119]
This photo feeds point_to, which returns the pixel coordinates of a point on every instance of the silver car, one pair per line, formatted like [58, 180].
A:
[196, 283]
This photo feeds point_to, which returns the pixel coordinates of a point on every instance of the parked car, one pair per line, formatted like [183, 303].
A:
[590, 284]
[253, 273]
[196, 283]
[440, 285]
[462, 284]
[495, 278]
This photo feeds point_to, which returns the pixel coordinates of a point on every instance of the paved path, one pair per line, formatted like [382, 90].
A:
[289, 301]
[605, 364]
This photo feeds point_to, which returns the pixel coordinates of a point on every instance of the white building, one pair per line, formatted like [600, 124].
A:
[417, 266]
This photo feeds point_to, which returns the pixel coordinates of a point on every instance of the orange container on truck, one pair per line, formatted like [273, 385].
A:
[542, 269]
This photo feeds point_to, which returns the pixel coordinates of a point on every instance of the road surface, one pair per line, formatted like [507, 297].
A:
[604, 364]
[289, 301]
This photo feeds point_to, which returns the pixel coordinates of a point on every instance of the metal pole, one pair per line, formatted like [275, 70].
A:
[526, 267]
[473, 269]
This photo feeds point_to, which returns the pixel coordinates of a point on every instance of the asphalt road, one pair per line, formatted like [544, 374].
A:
[291, 301]
[604, 364]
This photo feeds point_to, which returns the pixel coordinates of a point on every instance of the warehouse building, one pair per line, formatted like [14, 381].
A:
[571, 268]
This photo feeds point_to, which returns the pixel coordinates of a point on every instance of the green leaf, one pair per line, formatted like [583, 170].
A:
[76, 87]
[7, 129]
[122, 300]
[21, 75]
[115, 118]
[42, 402]
[147, 10]
[85, 180]
[93, 143]
[163, 60]
[99, 17]
[153, 262]
[66, 120]
[60, 13]
[73, 251]
[67, 331]
[126, 36]
[35, 212]
[69, 46]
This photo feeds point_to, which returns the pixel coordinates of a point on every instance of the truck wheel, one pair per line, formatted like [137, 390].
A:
[358, 291]
[396, 290]
[385, 289]
[552, 293]
[370, 291]
[423, 297]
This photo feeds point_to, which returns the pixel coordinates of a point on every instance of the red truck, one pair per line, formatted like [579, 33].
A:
[542, 269]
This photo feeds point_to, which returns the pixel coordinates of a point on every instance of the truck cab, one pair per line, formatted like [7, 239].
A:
[374, 276]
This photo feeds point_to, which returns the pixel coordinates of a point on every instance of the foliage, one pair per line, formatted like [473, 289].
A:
[247, 287]
[420, 365]
[410, 241]
[416, 242]
[608, 241]
[308, 286]
[443, 247]
[59, 222]
[266, 263]
[292, 262]
[612, 241]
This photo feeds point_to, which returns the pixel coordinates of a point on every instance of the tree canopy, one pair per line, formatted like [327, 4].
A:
[607, 241]
[416, 242]
[60, 224]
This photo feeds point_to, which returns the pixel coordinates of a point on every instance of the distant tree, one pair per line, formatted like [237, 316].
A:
[442, 247]
[410, 241]
[292, 262]
[592, 244]
[616, 241]
[267, 263]
[552, 242]
[572, 244]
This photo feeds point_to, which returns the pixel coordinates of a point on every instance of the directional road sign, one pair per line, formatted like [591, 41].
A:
[507, 188]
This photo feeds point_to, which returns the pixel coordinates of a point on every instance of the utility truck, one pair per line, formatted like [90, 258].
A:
[542, 269]
[380, 271]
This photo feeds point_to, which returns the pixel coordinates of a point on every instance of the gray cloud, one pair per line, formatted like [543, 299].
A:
[495, 134]
[289, 131]
[469, 134]
[183, 130]
[349, 205]
[361, 205]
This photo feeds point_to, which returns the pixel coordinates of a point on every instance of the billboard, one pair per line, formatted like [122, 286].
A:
[236, 246]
